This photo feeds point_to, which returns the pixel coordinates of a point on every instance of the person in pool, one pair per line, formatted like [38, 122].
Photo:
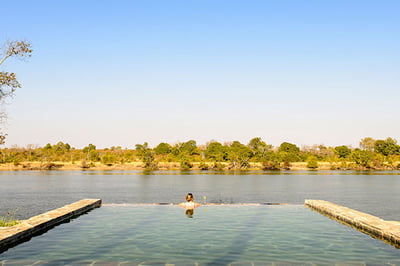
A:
[189, 204]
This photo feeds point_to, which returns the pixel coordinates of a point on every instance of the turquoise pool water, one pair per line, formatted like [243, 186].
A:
[215, 235]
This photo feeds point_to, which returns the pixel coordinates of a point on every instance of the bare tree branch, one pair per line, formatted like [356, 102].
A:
[20, 49]
[8, 81]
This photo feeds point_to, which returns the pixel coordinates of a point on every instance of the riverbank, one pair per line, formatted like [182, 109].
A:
[97, 166]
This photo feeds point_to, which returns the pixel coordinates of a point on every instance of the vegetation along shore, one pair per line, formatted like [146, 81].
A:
[257, 154]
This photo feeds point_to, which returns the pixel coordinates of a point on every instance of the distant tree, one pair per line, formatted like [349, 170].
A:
[289, 147]
[89, 148]
[259, 149]
[362, 158]
[91, 153]
[163, 148]
[61, 147]
[8, 81]
[47, 146]
[239, 155]
[272, 161]
[342, 151]
[146, 154]
[367, 144]
[109, 159]
[117, 148]
[185, 162]
[325, 152]
[215, 152]
[289, 152]
[188, 147]
[387, 147]
[312, 162]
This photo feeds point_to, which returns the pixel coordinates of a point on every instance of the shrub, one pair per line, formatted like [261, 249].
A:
[8, 219]
[312, 162]
[203, 166]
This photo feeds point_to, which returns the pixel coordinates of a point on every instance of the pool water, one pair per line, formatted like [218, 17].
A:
[213, 235]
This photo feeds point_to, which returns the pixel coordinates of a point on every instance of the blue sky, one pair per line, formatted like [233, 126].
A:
[118, 73]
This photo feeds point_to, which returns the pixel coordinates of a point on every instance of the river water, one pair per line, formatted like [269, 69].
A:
[29, 193]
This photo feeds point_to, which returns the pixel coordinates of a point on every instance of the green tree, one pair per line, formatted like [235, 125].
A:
[89, 148]
[289, 147]
[362, 158]
[91, 153]
[108, 159]
[163, 148]
[312, 162]
[188, 147]
[185, 161]
[272, 161]
[239, 155]
[387, 147]
[47, 146]
[259, 148]
[215, 152]
[146, 154]
[61, 147]
[289, 152]
[203, 166]
[342, 151]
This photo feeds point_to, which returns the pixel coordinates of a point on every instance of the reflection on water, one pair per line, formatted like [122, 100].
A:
[189, 213]
[34, 192]
[237, 172]
[224, 235]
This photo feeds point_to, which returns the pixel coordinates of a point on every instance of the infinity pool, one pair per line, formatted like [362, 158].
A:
[213, 235]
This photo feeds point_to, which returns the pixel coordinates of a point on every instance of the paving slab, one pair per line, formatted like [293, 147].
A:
[388, 231]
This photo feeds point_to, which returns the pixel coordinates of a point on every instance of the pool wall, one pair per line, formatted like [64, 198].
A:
[388, 231]
[11, 236]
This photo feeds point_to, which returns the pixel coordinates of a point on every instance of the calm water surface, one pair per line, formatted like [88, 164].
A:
[216, 235]
[34, 192]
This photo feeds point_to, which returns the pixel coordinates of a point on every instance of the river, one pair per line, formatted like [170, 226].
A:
[29, 193]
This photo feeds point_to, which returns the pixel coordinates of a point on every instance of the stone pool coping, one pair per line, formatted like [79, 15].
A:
[13, 235]
[388, 231]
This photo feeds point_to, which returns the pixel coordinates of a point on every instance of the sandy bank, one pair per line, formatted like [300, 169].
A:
[68, 166]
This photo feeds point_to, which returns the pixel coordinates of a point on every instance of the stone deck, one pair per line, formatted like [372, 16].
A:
[388, 231]
[11, 236]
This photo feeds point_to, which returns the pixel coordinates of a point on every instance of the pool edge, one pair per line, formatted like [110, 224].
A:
[387, 231]
[11, 236]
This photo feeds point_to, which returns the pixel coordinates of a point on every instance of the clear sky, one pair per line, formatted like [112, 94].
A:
[118, 73]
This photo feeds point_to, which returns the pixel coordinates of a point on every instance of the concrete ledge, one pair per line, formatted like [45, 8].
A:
[388, 231]
[11, 236]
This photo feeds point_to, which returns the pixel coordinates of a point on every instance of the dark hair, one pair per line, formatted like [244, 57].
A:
[189, 197]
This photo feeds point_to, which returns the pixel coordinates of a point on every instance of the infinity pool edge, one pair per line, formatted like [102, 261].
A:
[11, 236]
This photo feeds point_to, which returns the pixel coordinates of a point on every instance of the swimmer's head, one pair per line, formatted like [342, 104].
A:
[189, 197]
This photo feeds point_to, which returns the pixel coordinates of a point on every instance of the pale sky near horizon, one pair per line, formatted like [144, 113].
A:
[118, 73]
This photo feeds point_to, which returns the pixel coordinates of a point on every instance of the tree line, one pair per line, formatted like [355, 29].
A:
[371, 154]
